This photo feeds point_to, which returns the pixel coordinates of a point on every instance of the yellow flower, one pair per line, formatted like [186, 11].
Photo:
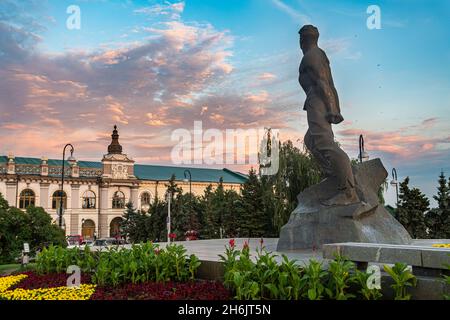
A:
[84, 292]
[442, 245]
[9, 281]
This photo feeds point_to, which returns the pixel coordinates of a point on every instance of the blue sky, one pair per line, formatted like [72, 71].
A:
[154, 66]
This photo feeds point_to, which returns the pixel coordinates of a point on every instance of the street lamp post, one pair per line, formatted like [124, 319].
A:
[394, 182]
[82, 226]
[169, 200]
[71, 158]
[363, 155]
[187, 173]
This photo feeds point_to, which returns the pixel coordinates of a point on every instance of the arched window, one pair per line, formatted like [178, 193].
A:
[56, 199]
[89, 200]
[118, 201]
[145, 199]
[27, 198]
[88, 229]
[114, 227]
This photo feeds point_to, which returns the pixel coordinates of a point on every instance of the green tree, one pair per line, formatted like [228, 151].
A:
[133, 226]
[253, 218]
[411, 210]
[157, 222]
[297, 170]
[230, 217]
[14, 231]
[208, 229]
[181, 209]
[438, 219]
[3, 203]
[33, 226]
[42, 230]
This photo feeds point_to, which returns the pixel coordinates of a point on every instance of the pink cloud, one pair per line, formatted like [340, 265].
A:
[261, 97]
[404, 143]
[266, 76]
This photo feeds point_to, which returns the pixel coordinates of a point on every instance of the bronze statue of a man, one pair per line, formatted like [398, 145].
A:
[322, 107]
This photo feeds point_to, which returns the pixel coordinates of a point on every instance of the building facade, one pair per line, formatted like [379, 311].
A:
[95, 193]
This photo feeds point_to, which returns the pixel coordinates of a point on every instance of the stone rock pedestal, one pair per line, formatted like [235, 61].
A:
[312, 224]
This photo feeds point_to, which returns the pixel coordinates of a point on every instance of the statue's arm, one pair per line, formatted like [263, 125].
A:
[321, 74]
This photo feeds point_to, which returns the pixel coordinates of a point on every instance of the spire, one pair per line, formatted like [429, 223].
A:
[115, 147]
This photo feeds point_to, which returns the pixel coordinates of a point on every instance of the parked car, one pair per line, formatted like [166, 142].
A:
[104, 242]
[87, 243]
[73, 240]
[191, 235]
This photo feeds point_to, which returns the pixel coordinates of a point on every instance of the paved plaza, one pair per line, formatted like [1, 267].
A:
[209, 250]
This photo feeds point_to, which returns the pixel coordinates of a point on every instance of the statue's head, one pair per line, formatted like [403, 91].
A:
[309, 36]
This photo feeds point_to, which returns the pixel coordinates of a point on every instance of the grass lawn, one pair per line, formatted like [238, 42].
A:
[6, 269]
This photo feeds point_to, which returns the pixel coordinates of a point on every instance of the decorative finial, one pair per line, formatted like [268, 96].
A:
[115, 147]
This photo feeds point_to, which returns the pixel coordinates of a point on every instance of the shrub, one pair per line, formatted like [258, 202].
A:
[142, 263]
[267, 278]
[403, 278]
[361, 279]
[33, 226]
[314, 280]
[340, 271]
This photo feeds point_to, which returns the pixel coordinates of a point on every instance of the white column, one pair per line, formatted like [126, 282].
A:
[44, 196]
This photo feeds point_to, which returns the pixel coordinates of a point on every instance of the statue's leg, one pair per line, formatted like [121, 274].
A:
[319, 139]
[330, 156]
[323, 162]
[342, 167]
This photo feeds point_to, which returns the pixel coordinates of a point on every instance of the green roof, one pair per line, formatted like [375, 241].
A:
[151, 172]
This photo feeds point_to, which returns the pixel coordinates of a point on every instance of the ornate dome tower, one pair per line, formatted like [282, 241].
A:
[117, 165]
[115, 147]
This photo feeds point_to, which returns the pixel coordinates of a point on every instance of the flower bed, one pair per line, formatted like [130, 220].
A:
[199, 290]
[84, 292]
[32, 286]
[10, 290]
[9, 281]
[442, 245]
[53, 280]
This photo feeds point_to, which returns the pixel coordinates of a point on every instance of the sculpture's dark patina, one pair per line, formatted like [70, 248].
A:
[344, 207]
[322, 107]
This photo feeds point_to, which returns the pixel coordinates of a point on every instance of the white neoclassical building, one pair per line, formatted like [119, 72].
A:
[95, 193]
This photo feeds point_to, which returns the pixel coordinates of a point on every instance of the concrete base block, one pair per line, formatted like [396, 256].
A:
[312, 224]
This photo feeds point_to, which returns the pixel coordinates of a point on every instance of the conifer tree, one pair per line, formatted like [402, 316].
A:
[438, 219]
[411, 210]
[252, 219]
[230, 217]
[207, 230]
[156, 223]
[133, 225]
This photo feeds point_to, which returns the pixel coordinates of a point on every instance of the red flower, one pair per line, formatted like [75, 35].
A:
[261, 242]
[245, 245]
[172, 236]
[232, 243]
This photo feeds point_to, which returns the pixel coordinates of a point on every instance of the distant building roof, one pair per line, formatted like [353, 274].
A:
[147, 172]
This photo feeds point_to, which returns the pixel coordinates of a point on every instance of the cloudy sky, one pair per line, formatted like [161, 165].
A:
[155, 66]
